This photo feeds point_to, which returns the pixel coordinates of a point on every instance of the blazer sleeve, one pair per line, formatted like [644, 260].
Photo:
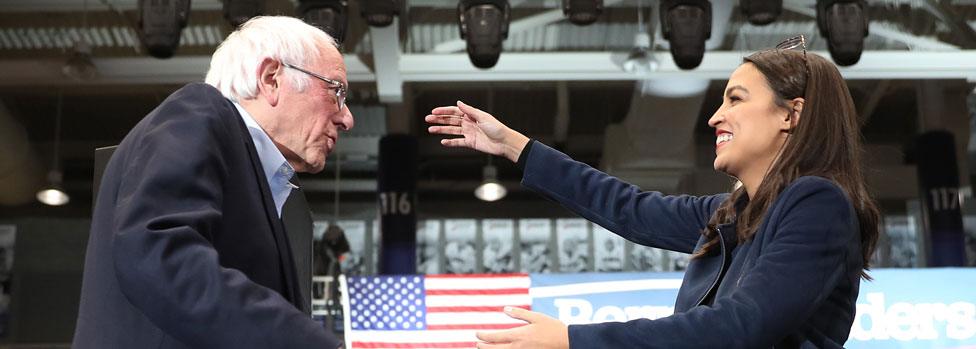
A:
[645, 217]
[799, 267]
[169, 200]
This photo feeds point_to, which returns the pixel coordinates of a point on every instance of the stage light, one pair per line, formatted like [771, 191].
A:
[490, 189]
[484, 25]
[582, 12]
[379, 13]
[239, 11]
[160, 23]
[845, 25]
[761, 12]
[327, 15]
[686, 24]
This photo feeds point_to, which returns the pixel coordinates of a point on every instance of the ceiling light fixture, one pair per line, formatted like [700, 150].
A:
[490, 189]
[54, 194]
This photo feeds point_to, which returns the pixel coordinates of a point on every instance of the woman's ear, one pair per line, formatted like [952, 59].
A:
[268, 88]
[793, 114]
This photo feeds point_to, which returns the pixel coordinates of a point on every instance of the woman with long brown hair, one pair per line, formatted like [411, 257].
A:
[776, 263]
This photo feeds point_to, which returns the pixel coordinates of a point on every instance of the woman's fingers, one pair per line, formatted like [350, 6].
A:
[447, 110]
[524, 315]
[443, 119]
[453, 142]
[483, 345]
[446, 130]
[506, 336]
[477, 115]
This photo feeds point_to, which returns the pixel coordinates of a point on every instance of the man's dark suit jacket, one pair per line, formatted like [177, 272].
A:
[186, 247]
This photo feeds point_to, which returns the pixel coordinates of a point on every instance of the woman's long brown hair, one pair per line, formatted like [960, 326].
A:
[824, 142]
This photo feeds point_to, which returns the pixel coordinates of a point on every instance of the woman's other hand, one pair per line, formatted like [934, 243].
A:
[541, 332]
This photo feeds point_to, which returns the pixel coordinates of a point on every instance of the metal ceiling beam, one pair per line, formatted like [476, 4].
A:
[386, 60]
[959, 26]
[549, 66]
[716, 65]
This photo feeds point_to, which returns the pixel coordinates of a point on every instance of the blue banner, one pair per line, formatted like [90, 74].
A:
[901, 308]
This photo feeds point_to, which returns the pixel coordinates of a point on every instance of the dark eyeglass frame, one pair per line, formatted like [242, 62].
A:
[336, 85]
[793, 43]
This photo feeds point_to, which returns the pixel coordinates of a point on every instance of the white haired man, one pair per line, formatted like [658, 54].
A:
[187, 248]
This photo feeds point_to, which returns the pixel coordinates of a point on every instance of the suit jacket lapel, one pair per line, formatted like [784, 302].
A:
[289, 290]
[297, 219]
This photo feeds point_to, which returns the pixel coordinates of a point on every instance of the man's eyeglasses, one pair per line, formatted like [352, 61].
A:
[793, 43]
[333, 84]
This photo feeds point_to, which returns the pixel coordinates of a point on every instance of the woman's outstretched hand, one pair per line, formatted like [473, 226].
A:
[479, 130]
[541, 332]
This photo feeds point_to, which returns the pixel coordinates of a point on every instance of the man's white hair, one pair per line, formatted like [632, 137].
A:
[234, 66]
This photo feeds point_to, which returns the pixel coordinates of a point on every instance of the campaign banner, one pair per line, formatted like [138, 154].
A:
[900, 308]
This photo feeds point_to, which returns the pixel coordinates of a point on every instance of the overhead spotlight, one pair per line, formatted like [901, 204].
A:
[582, 12]
[239, 11]
[490, 189]
[327, 15]
[160, 24]
[686, 24]
[379, 13]
[484, 25]
[53, 194]
[641, 60]
[761, 12]
[845, 25]
[79, 65]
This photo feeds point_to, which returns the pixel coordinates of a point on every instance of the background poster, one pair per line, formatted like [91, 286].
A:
[573, 240]
[499, 239]
[643, 258]
[459, 246]
[534, 245]
[428, 244]
[608, 250]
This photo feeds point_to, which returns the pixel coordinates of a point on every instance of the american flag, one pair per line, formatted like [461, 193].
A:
[432, 311]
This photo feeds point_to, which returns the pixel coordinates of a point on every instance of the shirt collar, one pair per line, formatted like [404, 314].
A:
[272, 161]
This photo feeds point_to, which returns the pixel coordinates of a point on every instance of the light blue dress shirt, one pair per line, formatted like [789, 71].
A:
[276, 168]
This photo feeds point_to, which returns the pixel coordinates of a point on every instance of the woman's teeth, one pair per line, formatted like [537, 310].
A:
[725, 137]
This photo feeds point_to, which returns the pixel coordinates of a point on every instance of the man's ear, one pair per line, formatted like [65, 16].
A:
[269, 71]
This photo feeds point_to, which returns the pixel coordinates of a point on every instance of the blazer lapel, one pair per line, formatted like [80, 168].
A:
[289, 290]
[297, 219]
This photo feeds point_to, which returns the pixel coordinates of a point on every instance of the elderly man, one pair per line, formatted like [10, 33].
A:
[187, 247]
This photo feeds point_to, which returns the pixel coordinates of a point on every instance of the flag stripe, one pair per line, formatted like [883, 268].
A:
[405, 336]
[457, 301]
[482, 283]
[466, 276]
[474, 326]
[604, 287]
[378, 345]
[474, 309]
[470, 318]
[500, 291]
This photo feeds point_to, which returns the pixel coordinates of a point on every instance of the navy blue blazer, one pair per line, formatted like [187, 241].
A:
[186, 247]
[794, 284]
